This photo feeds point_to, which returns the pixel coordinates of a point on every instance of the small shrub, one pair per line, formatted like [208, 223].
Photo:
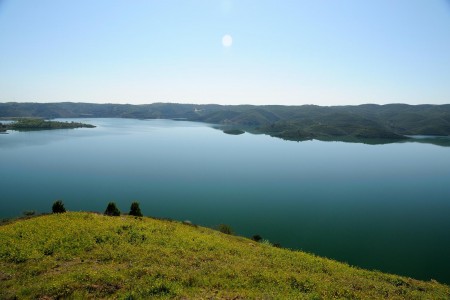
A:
[135, 210]
[159, 290]
[29, 213]
[58, 207]
[224, 228]
[256, 238]
[266, 242]
[112, 210]
[305, 286]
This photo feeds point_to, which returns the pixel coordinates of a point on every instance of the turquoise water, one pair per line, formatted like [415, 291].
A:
[384, 207]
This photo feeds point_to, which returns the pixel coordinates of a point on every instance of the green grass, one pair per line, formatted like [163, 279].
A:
[85, 255]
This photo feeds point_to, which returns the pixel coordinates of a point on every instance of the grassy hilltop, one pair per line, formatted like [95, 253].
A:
[86, 255]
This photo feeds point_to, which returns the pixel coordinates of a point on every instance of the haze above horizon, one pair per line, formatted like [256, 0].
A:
[225, 51]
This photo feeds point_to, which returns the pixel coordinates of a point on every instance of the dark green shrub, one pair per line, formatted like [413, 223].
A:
[224, 228]
[29, 213]
[58, 207]
[256, 238]
[112, 210]
[135, 210]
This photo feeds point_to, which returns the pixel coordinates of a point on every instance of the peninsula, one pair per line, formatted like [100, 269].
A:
[24, 124]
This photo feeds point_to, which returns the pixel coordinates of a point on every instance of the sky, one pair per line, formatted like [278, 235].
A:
[323, 52]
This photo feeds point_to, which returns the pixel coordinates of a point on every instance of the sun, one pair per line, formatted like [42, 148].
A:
[227, 40]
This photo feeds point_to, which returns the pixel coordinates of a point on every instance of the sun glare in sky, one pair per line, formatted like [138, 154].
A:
[227, 40]
[289, 52]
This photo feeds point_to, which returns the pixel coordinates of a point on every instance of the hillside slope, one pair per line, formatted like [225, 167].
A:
[85, 255]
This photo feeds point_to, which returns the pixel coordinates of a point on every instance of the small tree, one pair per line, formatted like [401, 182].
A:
[112, 210]
[135, 210]
[58, 207]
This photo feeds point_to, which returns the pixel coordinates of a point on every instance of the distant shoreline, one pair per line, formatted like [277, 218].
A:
[368, 123]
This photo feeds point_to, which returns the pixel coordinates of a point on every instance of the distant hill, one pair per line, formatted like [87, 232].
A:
[391, 122]
[81, 255]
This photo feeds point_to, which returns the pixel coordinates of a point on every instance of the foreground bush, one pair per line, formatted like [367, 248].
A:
[257, 238]
[58, 207]
[112, 210]
[224, 228]
[135, 210]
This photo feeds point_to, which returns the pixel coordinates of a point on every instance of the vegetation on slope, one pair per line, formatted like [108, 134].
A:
[86, 255]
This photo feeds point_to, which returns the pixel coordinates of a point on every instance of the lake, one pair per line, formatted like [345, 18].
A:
[384, 207]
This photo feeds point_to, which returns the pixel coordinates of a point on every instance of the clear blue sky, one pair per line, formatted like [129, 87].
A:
[282, 52]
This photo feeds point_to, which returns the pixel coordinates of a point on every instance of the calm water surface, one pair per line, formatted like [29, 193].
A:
[384, 207]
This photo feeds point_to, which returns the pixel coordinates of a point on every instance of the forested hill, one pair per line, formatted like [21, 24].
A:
[369, 121]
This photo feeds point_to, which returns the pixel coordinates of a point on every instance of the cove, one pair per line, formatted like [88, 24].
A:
[382, 207]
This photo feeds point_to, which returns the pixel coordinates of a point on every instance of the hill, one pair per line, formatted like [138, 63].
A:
[367, 123]
[86, 255]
